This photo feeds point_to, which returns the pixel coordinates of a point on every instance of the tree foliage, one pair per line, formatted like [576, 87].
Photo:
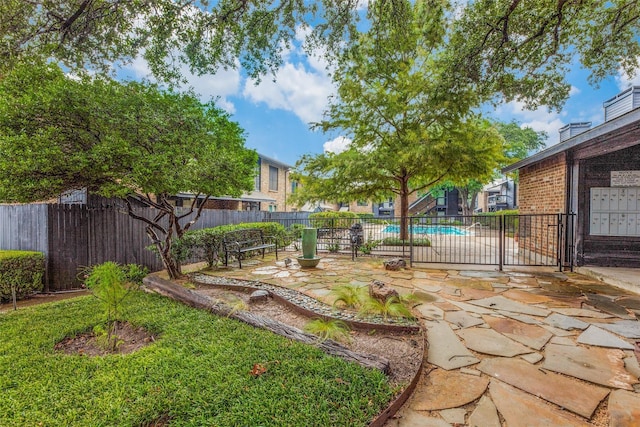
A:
[202, 34]
[126, 140]
[515, 49]
[408, 131]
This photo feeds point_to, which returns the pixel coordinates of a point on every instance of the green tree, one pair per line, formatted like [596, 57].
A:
[408, 131]
[202, 34]
[519, 142]
[127, 140]
[524, 49]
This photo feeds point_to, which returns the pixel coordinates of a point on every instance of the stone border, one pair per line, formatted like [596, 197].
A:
[307, 305]
[280, 294]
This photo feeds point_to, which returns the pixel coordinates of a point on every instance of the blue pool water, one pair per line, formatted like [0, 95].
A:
[429, 229]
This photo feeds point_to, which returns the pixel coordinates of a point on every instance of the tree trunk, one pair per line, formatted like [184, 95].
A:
[194, 299]
[404, 211]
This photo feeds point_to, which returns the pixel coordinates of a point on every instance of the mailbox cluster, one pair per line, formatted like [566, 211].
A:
[615, 211]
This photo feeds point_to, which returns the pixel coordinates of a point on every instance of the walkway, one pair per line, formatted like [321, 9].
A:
[504, 348]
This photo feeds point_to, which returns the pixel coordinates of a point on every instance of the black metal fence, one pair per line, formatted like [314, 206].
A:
[513, 240]
[501, 240]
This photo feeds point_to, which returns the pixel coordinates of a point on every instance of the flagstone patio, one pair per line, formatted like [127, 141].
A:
[521, 348]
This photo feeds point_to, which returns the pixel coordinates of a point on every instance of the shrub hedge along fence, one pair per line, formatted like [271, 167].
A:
[206, 244]
[23, 270]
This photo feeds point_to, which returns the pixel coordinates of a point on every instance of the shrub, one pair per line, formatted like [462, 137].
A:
[206, 244]
[396, 241]
[368, 246]
[333, 219]
[111, 284]
[22, 272]
[490, 219]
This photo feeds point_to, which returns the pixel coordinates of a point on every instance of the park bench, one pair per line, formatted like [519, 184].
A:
[335, 238]
[238, 242]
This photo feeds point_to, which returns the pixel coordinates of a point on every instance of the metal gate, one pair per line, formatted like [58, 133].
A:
[525, 240]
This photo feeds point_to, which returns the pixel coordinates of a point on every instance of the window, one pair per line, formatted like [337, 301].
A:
[273, 178]
[256, 184]
[294, 186]
[258, 178]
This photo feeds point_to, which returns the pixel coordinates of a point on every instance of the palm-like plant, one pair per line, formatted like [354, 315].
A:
[392, 307]
[333, 329]
[348, 296]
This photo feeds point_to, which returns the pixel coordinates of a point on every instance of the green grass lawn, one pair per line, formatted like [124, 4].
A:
[197, 373]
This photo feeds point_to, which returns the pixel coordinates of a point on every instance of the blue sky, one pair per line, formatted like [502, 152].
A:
[276, 114]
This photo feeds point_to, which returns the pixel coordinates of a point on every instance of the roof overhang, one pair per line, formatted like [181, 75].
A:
[254, 196]
[631, 118]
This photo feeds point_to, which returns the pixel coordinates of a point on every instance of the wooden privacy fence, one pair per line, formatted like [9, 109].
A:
[77, 236]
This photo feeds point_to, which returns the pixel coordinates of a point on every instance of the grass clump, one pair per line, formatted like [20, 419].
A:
[348, 296]
[333, 329]
[392, 307]
[197, 372]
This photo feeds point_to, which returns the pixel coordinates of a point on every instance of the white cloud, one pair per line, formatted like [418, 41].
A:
[624, 80]
[297, 89]
[222, 84]
[337, 145]
[540, 119]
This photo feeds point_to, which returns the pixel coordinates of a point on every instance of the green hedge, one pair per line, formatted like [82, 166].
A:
[333, 219]
[22, 269]
[489, 219]
[206, 244]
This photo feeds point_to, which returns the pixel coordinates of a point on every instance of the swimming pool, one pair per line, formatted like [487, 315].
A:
[449, 230]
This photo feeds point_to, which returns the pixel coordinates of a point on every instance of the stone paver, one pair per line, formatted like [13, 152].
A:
[505, 304]
[581, 312]
[445, 349]
[526, 297]
[596, 336]
[462, 319]
[410, 418]
[520, 409]
[485, 414]
[454, 416]
[448, 389]
[530, 335]
[626, 328]
[488, 341]
[565, 322]
[624, 409]
[607, 305]
[597, 365]
[576, 396]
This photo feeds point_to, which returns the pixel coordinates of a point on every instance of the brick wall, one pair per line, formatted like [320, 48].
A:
[284, 188]
[542, 187]
[542, 190]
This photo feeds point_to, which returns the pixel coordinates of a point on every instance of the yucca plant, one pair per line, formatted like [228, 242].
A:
[392, 307]
[333, 329]
[348, 296]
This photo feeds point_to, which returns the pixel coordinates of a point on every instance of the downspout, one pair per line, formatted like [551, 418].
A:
[569, 232]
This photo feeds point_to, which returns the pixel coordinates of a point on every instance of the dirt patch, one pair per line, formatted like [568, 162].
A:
[132, 339]
[403, 349]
